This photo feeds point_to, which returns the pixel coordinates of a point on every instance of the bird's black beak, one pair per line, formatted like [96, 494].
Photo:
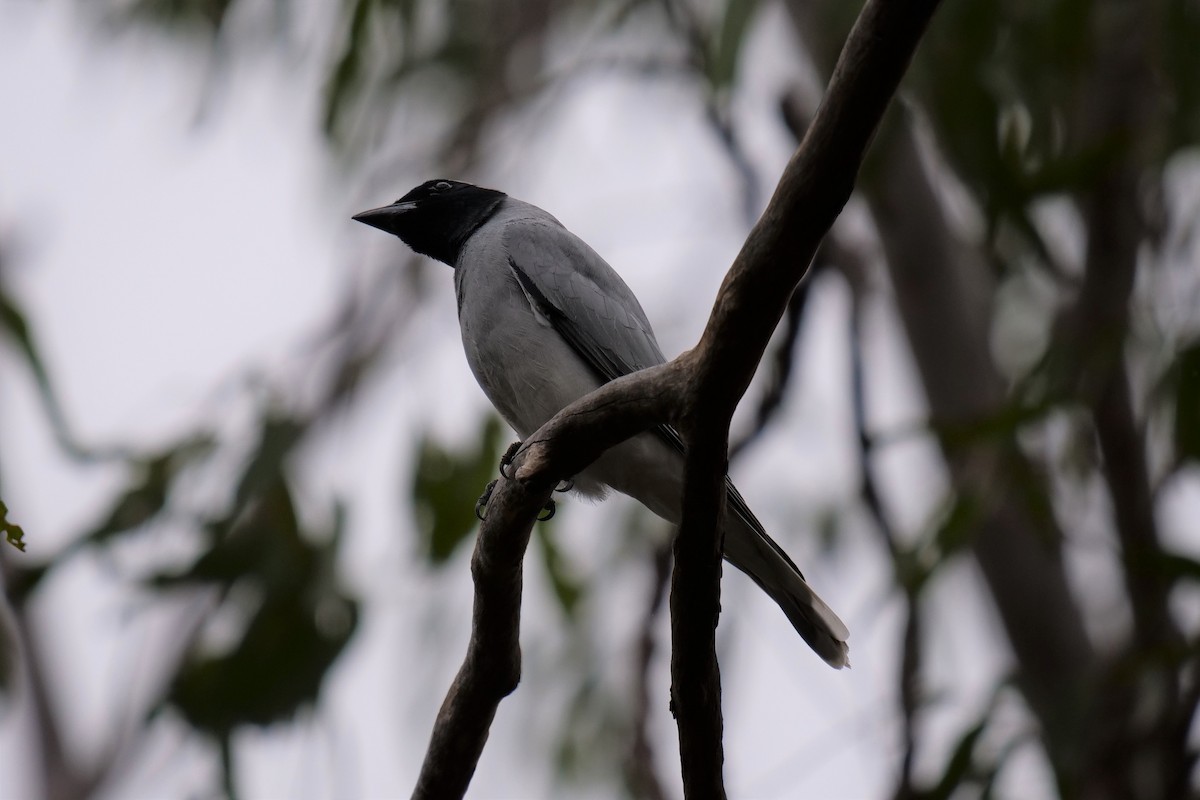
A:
[386, 217]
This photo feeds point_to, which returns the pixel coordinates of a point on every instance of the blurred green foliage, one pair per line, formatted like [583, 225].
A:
[303, 618]
[1187, 403]
[13, 533]
[302, 622]
[446, 486]
[999, 86]
[182, 14]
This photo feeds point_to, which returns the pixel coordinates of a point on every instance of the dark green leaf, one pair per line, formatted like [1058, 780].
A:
[959, 765]
[1181, 65]
[264, 542]
[279, 435]
[346, 78]
[276, 669]
[184, 14]
[951, 530]
[146, 495]
[13, 323]
[10, 532]
[8, 654]
[1001, 84]
[139, 504]
[730, 38]
[593, 733]
[567, 587]
[954, 534]
[299, 619]
[1187, 403]
[447, 485]
[1175, 566]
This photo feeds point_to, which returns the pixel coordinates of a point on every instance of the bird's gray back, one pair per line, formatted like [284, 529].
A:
[574, 279]
[544, 319]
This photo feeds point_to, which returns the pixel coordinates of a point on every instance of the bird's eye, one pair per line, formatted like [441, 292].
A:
[442, 186]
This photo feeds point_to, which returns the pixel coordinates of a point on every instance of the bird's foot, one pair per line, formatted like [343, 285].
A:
[481, 503]
[546, 513]
[510, 456]
[506, 460]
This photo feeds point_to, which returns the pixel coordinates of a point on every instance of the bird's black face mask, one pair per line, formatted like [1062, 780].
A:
[436, 218]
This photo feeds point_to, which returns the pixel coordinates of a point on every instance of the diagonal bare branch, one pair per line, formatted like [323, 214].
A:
[492, 667]
[698, 392]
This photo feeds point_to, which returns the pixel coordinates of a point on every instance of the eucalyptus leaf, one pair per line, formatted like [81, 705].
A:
[1187, 403]
[446, 486]
[567, 588]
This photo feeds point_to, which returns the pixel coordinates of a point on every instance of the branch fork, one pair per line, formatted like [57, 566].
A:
[697, 392]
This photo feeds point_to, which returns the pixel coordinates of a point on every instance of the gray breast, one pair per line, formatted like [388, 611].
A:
[522, 364]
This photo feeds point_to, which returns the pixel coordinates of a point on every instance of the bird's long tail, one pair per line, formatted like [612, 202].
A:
[650, 470]
[750, 549]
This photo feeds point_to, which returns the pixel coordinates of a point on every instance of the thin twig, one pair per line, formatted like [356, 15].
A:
[640, 773]
[782, 364]
[908, 677]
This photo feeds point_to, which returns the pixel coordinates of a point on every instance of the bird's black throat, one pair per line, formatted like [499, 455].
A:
[439, 223]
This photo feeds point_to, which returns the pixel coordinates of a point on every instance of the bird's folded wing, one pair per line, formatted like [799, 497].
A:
[596, 313]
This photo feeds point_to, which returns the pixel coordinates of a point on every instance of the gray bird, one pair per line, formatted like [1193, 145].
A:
[545, 321]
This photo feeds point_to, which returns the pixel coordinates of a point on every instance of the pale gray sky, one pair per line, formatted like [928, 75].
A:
[160, 256]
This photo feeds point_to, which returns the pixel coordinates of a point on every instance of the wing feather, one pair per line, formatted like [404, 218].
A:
[597, 314]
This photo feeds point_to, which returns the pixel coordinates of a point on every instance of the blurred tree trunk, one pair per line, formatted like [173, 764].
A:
[1107, 734]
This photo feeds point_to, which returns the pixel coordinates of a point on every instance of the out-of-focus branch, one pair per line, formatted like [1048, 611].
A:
[781, 364]
[1120, 106]
[942, 291]
[61, 779]
[505, 26]
[909, 673]
[640, 773]
[938, 284]
[701, 61]
[852, 264]
[944, 294]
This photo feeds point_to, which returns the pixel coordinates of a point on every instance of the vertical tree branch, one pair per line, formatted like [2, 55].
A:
[695, 607]
[1120, 110]
[909, 673]
[814, 188]
[228, 767]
